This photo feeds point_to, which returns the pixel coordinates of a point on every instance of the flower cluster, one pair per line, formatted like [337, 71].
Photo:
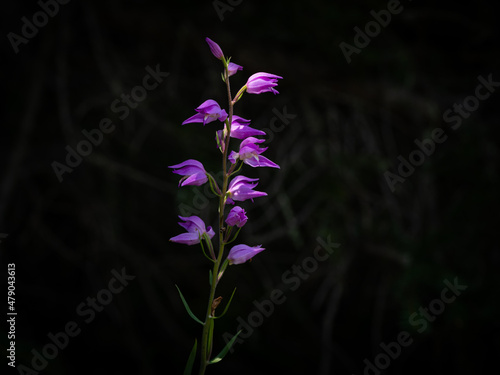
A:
[240, 188]
[234, 188]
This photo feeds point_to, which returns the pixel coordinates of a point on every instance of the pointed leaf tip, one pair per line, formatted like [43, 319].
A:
[227, 306]
[189, 365]
[187, 307]
[224, 351]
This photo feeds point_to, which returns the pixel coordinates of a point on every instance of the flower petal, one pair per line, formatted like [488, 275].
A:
[195, 220]
[243, 131]
[208, 111]
[262, 82]
[261, 161]
[196, 179]
[191, 163]
[215, 49]
[193, 171]
[241, 188]
[241, 253]
[233, 68]
[199, 117]
[233, 157]
[187, 238]
[237, 216]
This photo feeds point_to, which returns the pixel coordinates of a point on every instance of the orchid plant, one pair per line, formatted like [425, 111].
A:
[235, 188]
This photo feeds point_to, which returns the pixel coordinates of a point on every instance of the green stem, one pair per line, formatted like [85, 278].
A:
[215, 272]
[206, 325]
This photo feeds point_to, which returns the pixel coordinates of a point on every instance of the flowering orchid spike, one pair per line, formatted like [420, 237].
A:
[241, 189]
[241, 253]
[195, 229]
[234, 188]
[250, 153]
[208, 111]
[193, 171]
[216, 50]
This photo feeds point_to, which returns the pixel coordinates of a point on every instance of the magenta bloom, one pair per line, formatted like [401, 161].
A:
[195, 229]
[237, 120]
[214, 47]
[193, 171]
[241, 130]
[233, 68]
[237, 216]
[241, 253]
[208, 111]
[250, 153]
[241, 189]
[262, 82]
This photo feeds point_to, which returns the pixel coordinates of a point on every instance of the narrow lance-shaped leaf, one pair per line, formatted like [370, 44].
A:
[222, 270]
[234, 237]
[190, 361]
[227, 306]
[224, 351]
[204, 252]
[187, 307]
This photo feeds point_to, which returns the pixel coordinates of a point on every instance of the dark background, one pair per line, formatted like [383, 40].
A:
[119, 207]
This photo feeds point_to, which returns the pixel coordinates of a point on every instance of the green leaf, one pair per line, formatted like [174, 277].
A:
[204, 252]
[187, 307]
[227, 306]
[234, 237]
[210, 277]
[213, 184]
[190, 361]
[222, 269]
[224, 351]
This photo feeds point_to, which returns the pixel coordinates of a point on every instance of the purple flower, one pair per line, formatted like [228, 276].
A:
[241, 189]
[241, 130]
[237, 216]
[241, 253]
[233, 68]
[237, 120]
[193, 171]
[214, 47]
[250, 153]
[262, 82]
[208, 111]
[195, 229]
